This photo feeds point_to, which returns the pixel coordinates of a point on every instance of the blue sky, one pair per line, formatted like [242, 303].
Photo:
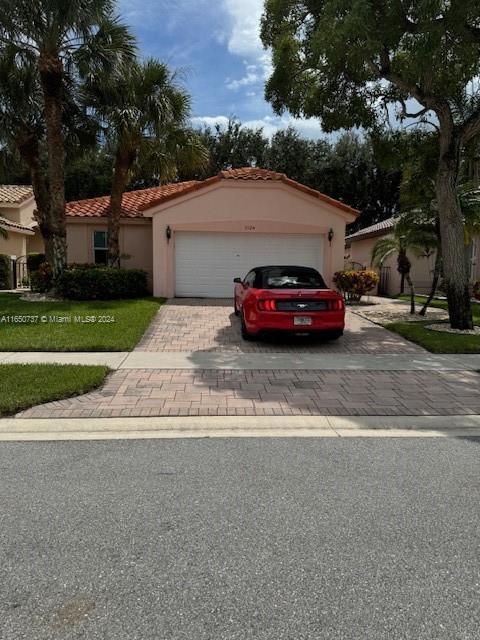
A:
[216, 44]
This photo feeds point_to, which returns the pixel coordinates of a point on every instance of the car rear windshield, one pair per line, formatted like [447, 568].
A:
[291, 278]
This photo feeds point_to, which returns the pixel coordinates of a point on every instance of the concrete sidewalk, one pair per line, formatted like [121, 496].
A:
[252, 361]
[36, 429]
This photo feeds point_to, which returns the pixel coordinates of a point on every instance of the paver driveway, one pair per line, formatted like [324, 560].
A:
[210, 325]
[192, 325]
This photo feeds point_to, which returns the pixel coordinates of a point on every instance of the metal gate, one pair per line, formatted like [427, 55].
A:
[19, 273]
[384, 280]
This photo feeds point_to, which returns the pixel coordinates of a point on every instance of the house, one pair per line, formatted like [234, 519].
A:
[17, 204]
[358, 254]
[194, 237]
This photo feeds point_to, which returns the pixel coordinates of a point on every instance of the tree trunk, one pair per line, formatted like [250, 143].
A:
[433, 288]
[51, 77]
[452, 234]
[123, 163]
[412, 292]
[29, 151]
[402, 283]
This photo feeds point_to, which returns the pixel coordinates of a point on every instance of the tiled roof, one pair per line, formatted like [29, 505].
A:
[7, 224]
[251, 173]
[14, 193]
[134, 203]
[374, 229]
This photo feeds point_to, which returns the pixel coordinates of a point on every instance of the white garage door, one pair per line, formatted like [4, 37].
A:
[206, 263]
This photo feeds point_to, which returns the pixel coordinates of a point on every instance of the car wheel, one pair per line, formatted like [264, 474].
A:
[246, 335]
[334, 335]
[236, 310]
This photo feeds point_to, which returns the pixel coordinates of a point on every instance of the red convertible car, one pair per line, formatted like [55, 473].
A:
[288, 298]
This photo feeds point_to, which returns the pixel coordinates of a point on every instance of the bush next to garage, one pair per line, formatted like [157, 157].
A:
[34, 260]
[5, 271]
[355, 284]
[104, 283]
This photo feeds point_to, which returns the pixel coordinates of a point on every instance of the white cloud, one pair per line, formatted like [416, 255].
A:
[243, 40]
[209, 121]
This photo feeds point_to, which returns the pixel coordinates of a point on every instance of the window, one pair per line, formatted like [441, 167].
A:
[250, 278]
[100, 247]
[292, 278]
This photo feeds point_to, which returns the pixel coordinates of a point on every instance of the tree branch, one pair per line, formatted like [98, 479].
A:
[471, 127]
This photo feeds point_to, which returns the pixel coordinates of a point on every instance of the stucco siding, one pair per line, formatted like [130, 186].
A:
[245, 208]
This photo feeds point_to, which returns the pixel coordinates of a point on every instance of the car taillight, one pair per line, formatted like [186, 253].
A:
[267, 305]
[336, 305]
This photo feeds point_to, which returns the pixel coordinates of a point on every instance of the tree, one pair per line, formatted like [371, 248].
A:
[231, 146]
[339, 62]
[22, 129]
[406, 238]
[143, 113]
[64, 40]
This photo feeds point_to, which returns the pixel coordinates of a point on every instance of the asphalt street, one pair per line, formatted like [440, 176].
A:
[235, 539]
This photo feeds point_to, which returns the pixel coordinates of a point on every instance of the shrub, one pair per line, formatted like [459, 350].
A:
[5, 271]
[355, 284]
[34, 260]
[41, 279]
[101, 283]
[476, 290]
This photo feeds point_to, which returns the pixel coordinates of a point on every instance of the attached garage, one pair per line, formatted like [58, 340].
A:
[206, 263]
[194, 237]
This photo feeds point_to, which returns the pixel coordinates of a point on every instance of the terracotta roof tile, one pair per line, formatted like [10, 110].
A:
[251, 173]
[7, 224]
[136, 202]
[14, 193]
[133, 202]
[372, 230]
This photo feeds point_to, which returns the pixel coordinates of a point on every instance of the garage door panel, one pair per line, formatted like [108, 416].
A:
[206, 263]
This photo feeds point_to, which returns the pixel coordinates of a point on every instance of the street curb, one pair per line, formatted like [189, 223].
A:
[46, 429]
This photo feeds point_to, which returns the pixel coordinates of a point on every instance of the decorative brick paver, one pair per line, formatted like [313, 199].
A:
[138, 392]
[210, 325]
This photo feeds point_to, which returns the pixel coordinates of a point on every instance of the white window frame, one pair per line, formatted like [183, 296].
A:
[96, 248]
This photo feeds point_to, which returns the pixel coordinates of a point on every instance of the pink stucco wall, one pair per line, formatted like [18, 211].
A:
[135, 241]
[422, 267]
[244, 207]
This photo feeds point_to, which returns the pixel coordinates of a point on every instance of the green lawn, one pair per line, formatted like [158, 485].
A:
[25, 385]
[39, 326]
[439, 304]
[435, 341]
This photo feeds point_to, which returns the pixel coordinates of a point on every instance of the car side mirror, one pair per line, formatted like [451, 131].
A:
[237, 280]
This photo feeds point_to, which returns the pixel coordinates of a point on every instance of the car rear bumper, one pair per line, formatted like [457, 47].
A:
[279, 321]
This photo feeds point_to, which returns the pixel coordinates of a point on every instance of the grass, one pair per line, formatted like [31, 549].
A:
[435, 341]
[45, 331]
[25, 385]
[439, 304]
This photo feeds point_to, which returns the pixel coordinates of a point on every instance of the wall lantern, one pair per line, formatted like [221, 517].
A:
[168, 233]
[330, 235]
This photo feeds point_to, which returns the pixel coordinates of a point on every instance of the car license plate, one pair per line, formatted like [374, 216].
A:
[302, 320]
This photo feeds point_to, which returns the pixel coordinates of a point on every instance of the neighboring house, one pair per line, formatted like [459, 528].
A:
[194, 237]
[358, 253]
[17, 205]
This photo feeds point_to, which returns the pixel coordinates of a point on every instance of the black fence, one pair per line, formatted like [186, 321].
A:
[384, 281]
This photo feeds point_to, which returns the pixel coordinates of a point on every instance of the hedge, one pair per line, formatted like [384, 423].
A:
[5, 271]
[101, 283]
[355, 284]
[34, 260]
[476, 290]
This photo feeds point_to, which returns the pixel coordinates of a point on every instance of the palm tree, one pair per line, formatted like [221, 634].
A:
[22, 128]
[143, 113]
[64, 40]
[405, 239]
